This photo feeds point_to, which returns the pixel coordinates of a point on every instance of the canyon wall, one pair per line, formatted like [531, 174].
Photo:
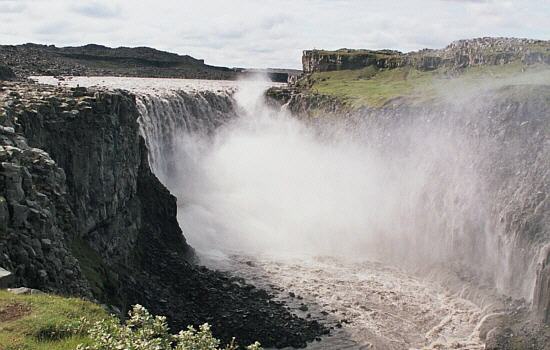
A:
[459, 54]
[83, 214]
[102, 188]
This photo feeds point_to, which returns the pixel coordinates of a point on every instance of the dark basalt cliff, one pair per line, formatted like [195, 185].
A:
[82, 214]
[80, 154]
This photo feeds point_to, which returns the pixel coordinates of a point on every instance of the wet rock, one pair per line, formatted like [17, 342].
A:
[20, 213]
[12, 180]
[58, 187]
[4, 214]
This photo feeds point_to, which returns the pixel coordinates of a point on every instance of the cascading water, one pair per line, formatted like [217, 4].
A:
[310, 205]
[417, 190]
[173, 113]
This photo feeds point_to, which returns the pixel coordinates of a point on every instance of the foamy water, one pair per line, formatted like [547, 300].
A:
[370, 305]
[142, 85]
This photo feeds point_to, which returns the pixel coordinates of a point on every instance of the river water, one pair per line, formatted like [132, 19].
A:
[231, 201]
[368, 304]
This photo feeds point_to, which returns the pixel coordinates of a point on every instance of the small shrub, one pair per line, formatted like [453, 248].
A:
[143, 331]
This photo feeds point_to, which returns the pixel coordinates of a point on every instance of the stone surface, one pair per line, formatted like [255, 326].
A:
[97, 60]
[86, 216]
[6, 278]
[6, 73]
[459, 54]
[24, 291]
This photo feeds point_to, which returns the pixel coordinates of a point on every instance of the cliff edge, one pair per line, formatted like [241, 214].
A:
[83, 214]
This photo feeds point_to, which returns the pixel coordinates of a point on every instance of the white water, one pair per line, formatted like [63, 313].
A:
[261, 183]
[370, 305]
[268, 186]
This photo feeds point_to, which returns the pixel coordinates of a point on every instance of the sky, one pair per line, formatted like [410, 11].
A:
[268, 33]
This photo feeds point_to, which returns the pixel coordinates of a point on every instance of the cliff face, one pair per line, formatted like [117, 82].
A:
[36, 221]
[459, 54]
[325, 61]
[81, 213]
[99, 173]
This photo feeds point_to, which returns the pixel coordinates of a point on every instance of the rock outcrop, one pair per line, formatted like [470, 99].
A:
[98, 60]
[6, 73]
[35, 217]
[83, 214]
[457, 55]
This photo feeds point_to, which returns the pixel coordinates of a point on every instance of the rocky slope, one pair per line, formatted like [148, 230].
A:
[98, 60]
[459, 54]
[82, 214]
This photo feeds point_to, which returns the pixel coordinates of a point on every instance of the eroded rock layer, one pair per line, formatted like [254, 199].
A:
[459, 54]
[83, 214]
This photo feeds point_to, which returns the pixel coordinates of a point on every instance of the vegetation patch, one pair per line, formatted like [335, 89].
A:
[374, 87]
[143, 331]
[41, 322]
[103, 281]
[13, 311]
[47, 322]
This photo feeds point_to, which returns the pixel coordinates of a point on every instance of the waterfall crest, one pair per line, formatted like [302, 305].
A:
[460, 185]
[167, 119]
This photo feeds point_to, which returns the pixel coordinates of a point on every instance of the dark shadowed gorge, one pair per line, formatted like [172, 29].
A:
[380, 200]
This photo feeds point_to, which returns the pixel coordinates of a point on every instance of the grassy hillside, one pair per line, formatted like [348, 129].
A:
[44, 322]
[375, 87]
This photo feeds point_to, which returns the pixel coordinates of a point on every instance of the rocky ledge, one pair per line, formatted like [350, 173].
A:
[459, 54]
[82, 214]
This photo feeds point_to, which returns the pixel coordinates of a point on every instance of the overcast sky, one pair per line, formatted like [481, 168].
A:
[270, 33]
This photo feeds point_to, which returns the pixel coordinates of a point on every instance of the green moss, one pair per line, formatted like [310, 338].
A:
[102, 280]
[36, 322]
[375, 87]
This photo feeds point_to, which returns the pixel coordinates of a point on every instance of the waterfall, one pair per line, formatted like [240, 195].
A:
[168, 118]
[461, 185]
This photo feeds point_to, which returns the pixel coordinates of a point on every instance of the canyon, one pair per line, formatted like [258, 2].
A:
[415, 220]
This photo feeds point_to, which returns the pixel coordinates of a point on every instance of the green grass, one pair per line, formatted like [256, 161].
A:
[374, 87]
[44, 322]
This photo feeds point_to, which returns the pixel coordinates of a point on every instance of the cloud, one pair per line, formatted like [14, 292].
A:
[270, 33]
[8, 7]
[97, 9]
[465, 1]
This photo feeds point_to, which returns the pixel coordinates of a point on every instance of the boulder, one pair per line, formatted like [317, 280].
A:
[24, 291]
[6, 278]
[6, 73]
